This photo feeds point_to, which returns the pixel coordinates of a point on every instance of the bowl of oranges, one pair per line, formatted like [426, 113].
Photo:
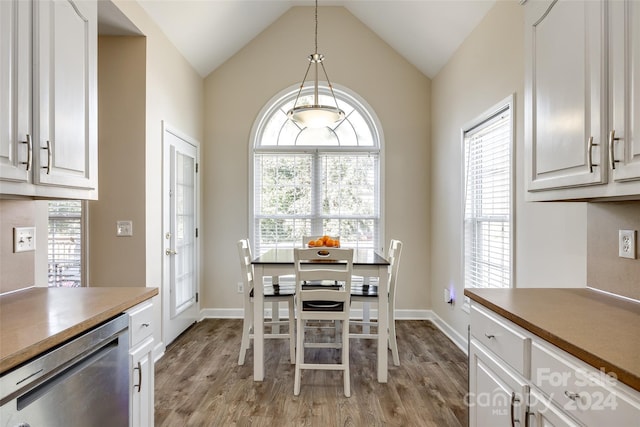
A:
[323, 242]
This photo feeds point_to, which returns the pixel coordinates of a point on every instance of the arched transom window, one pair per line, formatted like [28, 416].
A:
[316, 181]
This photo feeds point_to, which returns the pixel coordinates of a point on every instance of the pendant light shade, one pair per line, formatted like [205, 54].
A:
[315, 115]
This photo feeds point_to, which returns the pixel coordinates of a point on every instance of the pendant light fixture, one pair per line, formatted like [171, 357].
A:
[315, 115]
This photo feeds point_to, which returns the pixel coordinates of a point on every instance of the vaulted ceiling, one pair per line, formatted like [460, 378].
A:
[208, 32]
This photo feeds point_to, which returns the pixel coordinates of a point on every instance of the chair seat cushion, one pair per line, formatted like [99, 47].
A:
[322, 306]
[277, 290]
[364, 290]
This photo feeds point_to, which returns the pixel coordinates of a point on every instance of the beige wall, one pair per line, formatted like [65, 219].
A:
[605, 269]
[17, 268]
[550, 239]
[276, 59]
[119, 261]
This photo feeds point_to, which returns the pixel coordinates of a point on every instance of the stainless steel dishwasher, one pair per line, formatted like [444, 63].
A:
[81, 383]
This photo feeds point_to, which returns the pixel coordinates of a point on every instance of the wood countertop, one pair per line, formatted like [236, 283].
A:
[34, 320]
[598, 328]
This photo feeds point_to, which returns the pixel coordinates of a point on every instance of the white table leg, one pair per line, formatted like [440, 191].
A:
[275, 309]
[258, 324]
[366, 309]
[383, 323]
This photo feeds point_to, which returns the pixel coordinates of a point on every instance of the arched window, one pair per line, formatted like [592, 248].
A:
[316, 181]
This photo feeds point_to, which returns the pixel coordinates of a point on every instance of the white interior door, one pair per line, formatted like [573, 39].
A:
[180, 227]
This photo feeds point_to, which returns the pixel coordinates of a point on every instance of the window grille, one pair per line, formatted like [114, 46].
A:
[65, 243]
[488, 200]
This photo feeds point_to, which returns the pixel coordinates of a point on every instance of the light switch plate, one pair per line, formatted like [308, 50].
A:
[124, 228]
[627, 244]
[24, 239]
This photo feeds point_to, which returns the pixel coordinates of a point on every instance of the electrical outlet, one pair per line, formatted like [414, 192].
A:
[240, 287]
[124, 228]
[627, 244]
[24, 239]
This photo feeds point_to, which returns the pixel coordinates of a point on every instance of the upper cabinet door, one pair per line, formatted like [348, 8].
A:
[565, 95]
[65, 51]
[624, 57]
[15, 86]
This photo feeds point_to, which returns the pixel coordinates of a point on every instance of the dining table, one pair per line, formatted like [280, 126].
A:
[279, 262]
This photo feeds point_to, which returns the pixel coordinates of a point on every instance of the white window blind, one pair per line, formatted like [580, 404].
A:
[487, 201]
[65, 243]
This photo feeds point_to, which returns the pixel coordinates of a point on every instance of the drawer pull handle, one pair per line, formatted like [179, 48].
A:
[146, 325]
[514, 400]
[572, 396]
[489, 336]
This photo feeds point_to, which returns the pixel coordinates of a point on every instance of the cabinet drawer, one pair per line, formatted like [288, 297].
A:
[140, 322]
[502, 338]
[586, 393]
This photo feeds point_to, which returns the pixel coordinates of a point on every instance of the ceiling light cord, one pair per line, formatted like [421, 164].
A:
[315, 115]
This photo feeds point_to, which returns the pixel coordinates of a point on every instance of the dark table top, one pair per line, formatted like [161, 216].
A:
[285, 256]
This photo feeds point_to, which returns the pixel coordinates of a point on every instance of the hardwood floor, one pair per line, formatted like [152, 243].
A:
[199, 382]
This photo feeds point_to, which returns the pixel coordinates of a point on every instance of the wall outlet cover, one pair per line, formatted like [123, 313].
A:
[124, 228]
[627, 244]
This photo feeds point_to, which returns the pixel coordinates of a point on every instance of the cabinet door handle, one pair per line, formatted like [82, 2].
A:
[489, 336]
[49, 157]
[139, 369]
[572, 396]
[29, 152]
[590, 146]
[612, 155]
[514, 400]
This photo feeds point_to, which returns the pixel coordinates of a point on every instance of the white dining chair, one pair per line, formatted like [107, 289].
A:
[275, 293]
[323, 303]
[369, 294]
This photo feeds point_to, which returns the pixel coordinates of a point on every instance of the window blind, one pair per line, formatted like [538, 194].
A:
[65, 243]
[300, 194]
[487, 204]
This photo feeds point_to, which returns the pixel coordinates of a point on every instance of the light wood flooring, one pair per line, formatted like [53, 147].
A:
[199, 382]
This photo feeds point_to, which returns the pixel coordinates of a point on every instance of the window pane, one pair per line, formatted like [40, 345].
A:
[65, 243]
[311, 181]
[487, 214]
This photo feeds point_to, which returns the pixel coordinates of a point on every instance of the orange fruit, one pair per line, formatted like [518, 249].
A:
[319, 242]
[329, 243]
[311, 243]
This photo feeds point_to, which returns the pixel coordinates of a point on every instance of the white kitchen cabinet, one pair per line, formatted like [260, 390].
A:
[624, 69]
[497, 396]
[516, 375]
[49, 67]
[141, 397]
[543, 413]
[15, 80]
[568, 100]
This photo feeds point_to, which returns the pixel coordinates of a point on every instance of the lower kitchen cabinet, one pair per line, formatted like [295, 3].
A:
[497, 395]
[518, 378]
[141, 367]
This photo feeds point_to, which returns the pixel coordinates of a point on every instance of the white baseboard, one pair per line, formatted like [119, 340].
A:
[459, 340]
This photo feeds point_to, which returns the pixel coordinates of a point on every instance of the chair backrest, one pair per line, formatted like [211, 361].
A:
[393, 256]
[246, 268]
[306, 239]
[325, 264]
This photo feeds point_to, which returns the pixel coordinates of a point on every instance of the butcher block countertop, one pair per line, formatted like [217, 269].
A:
[34, 320]
[600, 329]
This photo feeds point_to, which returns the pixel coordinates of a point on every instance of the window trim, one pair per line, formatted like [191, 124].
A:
[340, 91]
[507, 103]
